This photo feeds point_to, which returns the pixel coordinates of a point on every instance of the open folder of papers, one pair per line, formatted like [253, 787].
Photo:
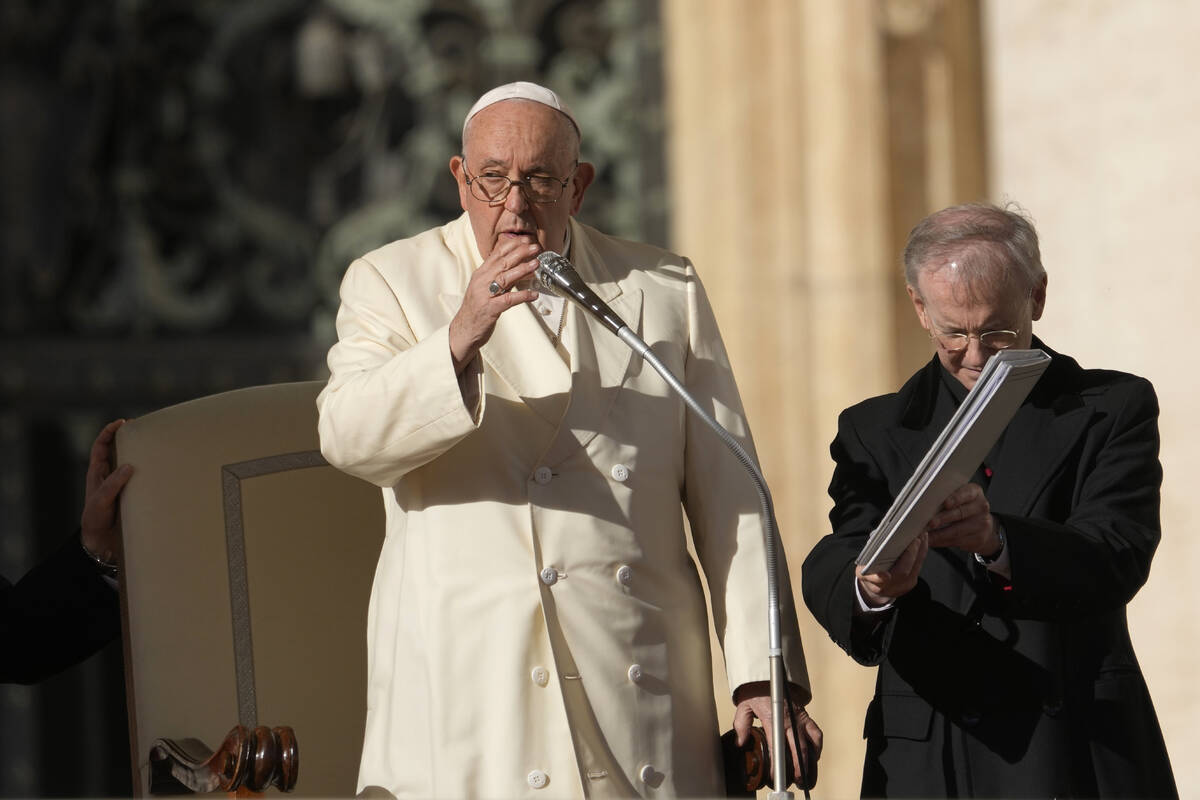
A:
[960, 448]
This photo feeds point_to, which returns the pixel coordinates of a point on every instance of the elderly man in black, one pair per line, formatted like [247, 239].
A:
[1005, 664]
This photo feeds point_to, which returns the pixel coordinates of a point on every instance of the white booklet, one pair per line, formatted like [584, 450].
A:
[960, 448]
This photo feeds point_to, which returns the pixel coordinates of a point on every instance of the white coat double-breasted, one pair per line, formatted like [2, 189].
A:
[537, 626]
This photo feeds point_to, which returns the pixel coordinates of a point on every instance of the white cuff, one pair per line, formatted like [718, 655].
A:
[863, 608]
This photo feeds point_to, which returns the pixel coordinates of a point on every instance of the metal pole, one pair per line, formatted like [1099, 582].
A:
[770, 540]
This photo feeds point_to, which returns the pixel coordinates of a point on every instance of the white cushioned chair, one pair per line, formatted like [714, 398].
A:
[246, 571]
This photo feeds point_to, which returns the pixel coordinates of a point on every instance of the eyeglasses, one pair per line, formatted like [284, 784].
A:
[493, 188]
[993, 340]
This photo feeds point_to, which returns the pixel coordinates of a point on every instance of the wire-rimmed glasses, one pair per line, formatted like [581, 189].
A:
[494, 188]
[993, 340]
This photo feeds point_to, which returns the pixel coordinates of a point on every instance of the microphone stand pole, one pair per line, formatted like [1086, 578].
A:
[770, 538]
[557, 275]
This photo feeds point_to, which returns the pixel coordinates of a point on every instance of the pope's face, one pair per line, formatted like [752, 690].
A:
[519, 139]
[945, 306]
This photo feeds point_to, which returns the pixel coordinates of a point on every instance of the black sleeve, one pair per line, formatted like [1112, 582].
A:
[1098, 557]
[60, 613]
[860, 498]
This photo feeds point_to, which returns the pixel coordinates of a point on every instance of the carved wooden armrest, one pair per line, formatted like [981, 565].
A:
[254, 759]
[748, 768]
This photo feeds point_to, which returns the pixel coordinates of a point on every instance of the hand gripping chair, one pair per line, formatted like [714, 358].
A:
[246, 570]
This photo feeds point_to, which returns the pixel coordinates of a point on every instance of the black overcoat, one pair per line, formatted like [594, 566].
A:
[58, 614]
[995, 689]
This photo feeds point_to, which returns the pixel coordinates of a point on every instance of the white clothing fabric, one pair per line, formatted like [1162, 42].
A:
[537, 627]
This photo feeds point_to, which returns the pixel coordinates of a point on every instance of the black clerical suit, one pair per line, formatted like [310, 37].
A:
[994, 689]
[61, 612]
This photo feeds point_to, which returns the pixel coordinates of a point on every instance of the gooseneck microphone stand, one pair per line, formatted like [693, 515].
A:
[557, 275]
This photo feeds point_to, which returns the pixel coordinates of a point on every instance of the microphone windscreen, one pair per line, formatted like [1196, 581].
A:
[551, 264]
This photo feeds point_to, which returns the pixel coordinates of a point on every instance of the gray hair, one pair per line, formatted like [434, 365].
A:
[990, 247]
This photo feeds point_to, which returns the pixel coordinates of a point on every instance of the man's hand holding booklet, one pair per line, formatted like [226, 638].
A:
[960, 448]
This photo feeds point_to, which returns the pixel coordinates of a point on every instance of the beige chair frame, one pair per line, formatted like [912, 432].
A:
[246, 570]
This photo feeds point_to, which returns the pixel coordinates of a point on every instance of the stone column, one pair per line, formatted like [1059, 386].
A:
[792, 177]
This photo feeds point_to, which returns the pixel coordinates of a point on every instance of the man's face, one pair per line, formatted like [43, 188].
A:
[518, 139]
[944, 305]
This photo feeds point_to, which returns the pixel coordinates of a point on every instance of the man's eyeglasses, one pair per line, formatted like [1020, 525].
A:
[493, 188]
[993, 340]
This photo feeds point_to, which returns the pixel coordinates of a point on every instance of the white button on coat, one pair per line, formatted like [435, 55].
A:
[620, 472]
[540, 676]
[543, 475]
[549, 576]
[635, 672]
[625, 575]
[537, 779]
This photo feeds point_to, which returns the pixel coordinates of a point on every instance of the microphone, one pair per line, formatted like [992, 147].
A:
[557, 276]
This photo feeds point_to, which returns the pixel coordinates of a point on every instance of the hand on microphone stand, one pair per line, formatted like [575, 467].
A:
[754, 700]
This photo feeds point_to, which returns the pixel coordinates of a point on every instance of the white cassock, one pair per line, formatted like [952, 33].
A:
[537, 626]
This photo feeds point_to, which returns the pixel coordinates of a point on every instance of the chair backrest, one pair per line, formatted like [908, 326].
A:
[247, 567]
